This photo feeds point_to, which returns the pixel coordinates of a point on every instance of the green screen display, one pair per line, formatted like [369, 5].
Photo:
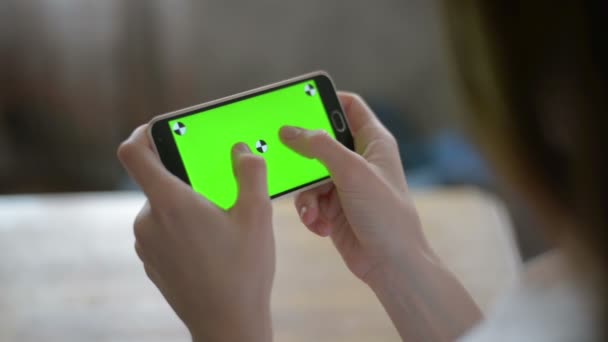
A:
[205, 140]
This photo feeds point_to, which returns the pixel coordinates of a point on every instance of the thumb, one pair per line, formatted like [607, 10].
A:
[341, 162]
[250, 173]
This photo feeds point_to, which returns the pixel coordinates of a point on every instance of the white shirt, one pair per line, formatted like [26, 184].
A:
[555, 310]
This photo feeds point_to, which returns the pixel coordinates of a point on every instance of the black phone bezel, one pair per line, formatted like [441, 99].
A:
[169, 154]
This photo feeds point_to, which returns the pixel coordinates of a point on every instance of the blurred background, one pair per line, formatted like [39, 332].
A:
[77, 76]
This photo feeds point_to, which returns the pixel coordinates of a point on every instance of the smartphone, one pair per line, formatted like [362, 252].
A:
[195, 143]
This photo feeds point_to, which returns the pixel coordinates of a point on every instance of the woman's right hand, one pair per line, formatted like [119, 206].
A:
[369, 215]
[366, 209]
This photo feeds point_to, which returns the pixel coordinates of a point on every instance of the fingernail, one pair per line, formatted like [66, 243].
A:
[242, 148]
[303, 211]
[290, 132]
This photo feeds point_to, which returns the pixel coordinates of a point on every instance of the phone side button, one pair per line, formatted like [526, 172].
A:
[338, 121]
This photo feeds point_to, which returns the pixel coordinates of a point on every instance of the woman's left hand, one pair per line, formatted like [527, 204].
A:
[214, 267]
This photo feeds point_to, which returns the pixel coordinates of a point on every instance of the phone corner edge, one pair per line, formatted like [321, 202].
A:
[149, 132]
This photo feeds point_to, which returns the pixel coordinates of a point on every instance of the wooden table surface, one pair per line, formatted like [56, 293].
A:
[68, 271]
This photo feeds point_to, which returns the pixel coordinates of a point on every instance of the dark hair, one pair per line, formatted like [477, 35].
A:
[535, 76]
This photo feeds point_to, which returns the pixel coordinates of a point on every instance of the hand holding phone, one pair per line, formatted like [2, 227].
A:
[366, 208]
[369, 215]
[200, 256]
[194, 144]
[190, 247]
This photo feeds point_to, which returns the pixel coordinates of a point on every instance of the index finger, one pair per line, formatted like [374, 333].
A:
[143, 165]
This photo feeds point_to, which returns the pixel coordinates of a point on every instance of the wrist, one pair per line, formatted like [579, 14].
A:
[254, 326]
[424, 299]
[413, 264]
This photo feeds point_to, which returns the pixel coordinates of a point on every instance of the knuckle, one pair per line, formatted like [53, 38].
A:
[151, 273]
[143, 223]
[357, 101]
[139, 251]
[303, 198]
[257, 214]
[253, 162]
[298, 199]
[265, 207]
[390, 140]
[319, 139]
[168, 214]
[125, 150]
[384, 140]
[258, 203]
[140, 227]
[356, 171]
[353, 96]
[357, 98]
[170, 207]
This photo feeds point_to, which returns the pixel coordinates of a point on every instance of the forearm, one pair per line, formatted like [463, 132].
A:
[232, 334]
[425, 301]
[254, 326]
